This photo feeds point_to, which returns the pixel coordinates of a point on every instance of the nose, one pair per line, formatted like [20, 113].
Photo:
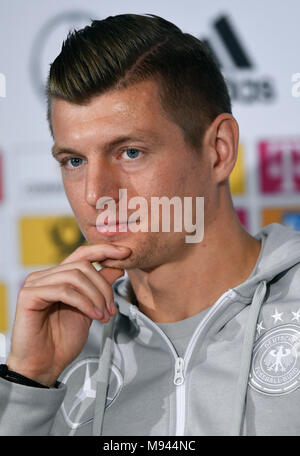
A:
[101, 181]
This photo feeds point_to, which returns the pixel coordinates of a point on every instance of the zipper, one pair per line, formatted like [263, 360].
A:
[180, 396]
[181, 364]
[179, 371]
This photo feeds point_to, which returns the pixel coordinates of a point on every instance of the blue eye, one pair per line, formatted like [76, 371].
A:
[70, 164]
[75, 161]
[132, 153]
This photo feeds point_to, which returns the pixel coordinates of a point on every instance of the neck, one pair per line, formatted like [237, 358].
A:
[224, 259]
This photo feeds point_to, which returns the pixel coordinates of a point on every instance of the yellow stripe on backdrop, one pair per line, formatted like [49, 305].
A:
[47, 240]
[3, 308]
[237, 178]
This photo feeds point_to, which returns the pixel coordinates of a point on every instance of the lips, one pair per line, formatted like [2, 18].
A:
[108, 221]
[112, 223]
[110, 226]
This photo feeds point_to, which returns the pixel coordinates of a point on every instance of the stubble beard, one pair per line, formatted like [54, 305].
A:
[148, 254]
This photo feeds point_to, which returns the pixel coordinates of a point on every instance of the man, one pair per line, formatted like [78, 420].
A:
[197, 338]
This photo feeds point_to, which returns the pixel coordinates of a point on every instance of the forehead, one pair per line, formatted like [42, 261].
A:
[136, 107]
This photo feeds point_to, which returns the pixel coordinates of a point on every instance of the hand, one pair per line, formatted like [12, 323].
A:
[55, 309]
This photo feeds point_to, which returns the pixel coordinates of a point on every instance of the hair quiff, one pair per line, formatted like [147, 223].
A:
[122, 50]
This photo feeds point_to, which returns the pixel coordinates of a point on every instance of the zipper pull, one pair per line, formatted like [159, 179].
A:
[179, 367]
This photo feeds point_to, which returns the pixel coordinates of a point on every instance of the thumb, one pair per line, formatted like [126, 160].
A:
[111, 274]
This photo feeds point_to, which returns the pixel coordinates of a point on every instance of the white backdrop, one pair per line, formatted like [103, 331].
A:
[266, 181]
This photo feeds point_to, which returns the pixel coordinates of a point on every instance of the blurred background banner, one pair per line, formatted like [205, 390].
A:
[256, 44]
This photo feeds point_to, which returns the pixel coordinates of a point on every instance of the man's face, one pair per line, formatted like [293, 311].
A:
[124, 140]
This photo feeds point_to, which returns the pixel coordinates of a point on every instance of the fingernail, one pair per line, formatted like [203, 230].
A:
[112, 307]
[106, 314]
[98, 312]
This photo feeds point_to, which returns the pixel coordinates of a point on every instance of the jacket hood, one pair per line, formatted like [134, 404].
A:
[280, 250]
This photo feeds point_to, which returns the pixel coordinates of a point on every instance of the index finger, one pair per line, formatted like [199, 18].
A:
[97, 252]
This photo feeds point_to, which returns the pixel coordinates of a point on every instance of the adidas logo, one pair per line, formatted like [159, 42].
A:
[226, 44]
[233, 59]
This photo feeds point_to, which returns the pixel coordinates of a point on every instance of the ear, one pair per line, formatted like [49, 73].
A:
[221, 141]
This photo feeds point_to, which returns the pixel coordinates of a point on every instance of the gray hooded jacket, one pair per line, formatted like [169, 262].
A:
[240, 374]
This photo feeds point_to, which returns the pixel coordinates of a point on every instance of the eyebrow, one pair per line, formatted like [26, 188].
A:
[56, 151]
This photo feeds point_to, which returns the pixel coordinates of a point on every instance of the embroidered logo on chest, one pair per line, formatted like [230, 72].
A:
[275, 366]
[81, 379]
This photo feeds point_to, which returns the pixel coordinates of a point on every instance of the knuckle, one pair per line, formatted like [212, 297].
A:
[80, 249]
[29, 277]
[22, 293]
[77, 273]
[63, 289]
[87, 302]
[86, 265]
